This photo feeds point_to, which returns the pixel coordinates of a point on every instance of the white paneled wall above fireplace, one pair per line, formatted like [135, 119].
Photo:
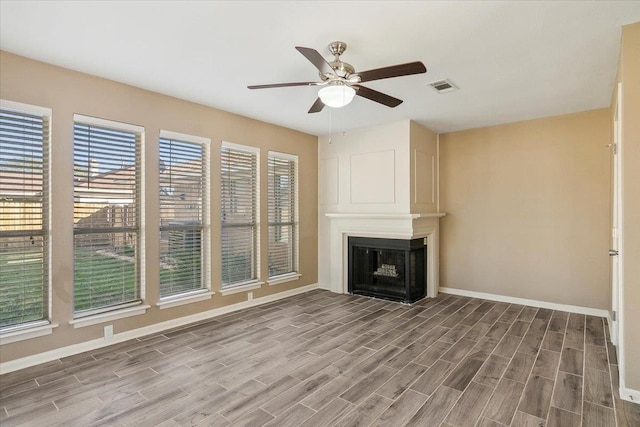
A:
[376, 182]
[373, 177]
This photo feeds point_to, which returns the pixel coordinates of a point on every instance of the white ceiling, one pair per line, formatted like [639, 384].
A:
[512, 60]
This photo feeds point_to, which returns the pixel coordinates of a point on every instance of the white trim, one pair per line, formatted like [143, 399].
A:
[27, 333]
[438, 172]
[531, 302]
[205, 145]
[19, 107]
[49, 219]
[256, 249]
[284, 156]
[177, 136]
[36, 359]
[241, 288]
[106, 309]
[390, 226]
[207, 244]
[109, 316]
[295, 244]
[630, 395]
[234, 146]
[176, 301]
[141, 206]
[46, 114]
[95, 121]
[283, 278]
[620, 315]
[383, 216]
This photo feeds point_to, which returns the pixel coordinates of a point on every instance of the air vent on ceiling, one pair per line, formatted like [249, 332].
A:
[442, 86]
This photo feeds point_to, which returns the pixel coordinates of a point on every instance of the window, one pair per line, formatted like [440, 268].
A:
[182, 213]
[282, 212]
[239, 213]
[24, 284]
[106, 235]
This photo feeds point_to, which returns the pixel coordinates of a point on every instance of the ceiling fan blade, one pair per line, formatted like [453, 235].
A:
[284, 85]
[317, 106]
[316, 59]
[376, 96]
[392, 71]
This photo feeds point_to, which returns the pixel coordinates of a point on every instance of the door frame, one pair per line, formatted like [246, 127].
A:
[616, 328]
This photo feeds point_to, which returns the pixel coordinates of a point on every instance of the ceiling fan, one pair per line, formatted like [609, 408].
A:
[341, 82]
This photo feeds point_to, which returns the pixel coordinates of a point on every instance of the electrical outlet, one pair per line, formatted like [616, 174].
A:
[108, 331]
[249, 296]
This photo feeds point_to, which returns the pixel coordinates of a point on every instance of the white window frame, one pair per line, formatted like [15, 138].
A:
[205, 292]
[103, 314]
[45, 326]
[295, 274]
[253, 283]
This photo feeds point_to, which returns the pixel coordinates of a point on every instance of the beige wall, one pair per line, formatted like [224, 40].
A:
[528, 209]
[629, 75]
[67, 92]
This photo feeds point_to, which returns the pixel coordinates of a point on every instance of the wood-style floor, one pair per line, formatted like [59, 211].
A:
[323, 359]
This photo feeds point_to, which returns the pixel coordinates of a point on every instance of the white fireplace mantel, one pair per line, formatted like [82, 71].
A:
[383, 225]
[382, 216]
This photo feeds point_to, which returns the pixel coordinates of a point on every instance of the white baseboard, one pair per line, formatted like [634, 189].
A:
[630, 395]
[48, 356]
[531, 302]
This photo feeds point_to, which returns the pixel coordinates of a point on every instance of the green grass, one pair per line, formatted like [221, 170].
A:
[20, 289]
[183, 277]
[99, 281]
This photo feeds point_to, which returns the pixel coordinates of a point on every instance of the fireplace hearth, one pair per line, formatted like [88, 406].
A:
[392, 269]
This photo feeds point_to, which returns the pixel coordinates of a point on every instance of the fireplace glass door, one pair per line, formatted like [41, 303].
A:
[387, 268]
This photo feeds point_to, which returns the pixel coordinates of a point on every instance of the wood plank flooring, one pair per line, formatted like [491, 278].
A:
[323, 359]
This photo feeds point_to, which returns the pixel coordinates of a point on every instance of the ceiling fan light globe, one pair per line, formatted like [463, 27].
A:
[336, 96]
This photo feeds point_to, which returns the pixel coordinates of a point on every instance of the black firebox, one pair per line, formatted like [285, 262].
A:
[392, 269]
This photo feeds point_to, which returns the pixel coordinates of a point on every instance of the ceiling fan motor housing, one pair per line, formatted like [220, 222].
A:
[340, 68]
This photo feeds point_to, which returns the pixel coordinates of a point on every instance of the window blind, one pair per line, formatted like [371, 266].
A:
[181, 216]
[282, 207]
[24, 144]
[106, 217]
[239, 183]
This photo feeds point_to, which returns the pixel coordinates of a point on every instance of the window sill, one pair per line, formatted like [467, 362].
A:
[242, 287]
[284, 278]
[184, 299]
[27, 333]
[109, 316]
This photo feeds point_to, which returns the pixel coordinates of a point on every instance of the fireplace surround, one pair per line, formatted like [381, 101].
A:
[341, 226]
[392, 269]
